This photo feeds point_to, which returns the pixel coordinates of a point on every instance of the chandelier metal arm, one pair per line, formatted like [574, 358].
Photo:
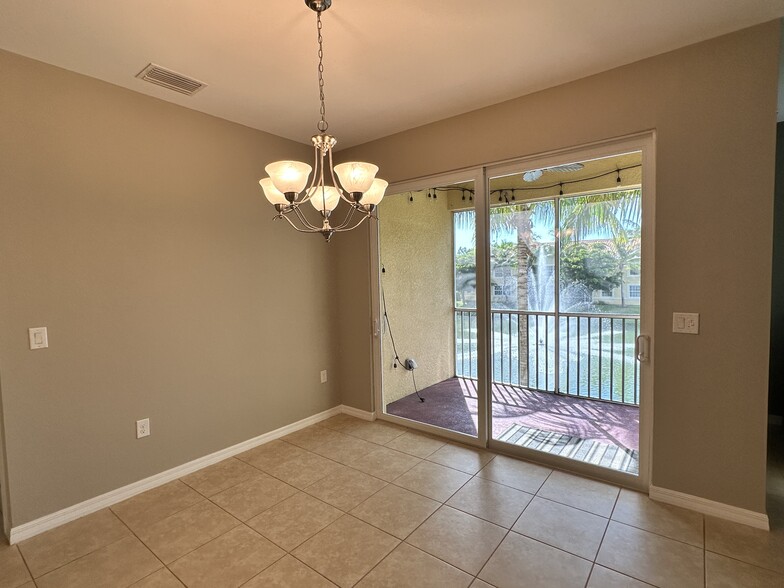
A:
[306, 194]
[304, 220]
[347, 220]
[362, 219]
[294, 226]
[309, 227]
[336, 183]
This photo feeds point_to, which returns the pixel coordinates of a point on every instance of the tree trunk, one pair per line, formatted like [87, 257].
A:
[523, 222]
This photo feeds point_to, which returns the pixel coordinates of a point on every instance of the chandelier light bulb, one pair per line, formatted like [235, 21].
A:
[324, 198]
[289, 176]
[375, 193]
[356, 176]
[274, 195]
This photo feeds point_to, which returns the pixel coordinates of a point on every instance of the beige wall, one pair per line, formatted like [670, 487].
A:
[713, 106]
[415, 243]
[135, 230]
[4, 497]
[355, 332]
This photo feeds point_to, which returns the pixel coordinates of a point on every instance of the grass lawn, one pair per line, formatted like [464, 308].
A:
[633, 309]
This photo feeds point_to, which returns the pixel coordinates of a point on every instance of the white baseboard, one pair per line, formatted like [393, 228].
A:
[92, 505]
[360, 414]
[719, 510]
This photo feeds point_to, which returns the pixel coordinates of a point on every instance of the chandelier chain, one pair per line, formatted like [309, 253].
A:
[322, 125]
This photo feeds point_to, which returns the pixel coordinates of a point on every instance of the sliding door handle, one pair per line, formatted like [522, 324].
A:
[642, 348]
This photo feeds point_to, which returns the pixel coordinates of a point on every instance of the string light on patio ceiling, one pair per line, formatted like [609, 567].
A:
[285, 187]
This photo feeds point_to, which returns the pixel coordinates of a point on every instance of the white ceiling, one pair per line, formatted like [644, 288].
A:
[389, 65]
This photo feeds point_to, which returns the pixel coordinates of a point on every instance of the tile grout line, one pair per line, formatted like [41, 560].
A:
[509, 530]
[26, 565]
[379, 562]
[297, 491]
[208, 497]
[338, 462]
[202, 498]
[81, 557]
[704, 553]
[421, 459]
[172, 572]
[147, 547]
[743, 561]
[607, 526]
[442, 504]
[210, 540]
[655, 534]
[399, 541]
[280, 559]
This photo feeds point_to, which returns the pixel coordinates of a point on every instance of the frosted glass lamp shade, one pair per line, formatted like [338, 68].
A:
[325, 201]
[375, 193]
[356, 176]
[274, 195]
[289, 176]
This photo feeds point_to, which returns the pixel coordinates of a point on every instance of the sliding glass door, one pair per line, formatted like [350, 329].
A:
[513, 308]
[429, 292]
[566, 279]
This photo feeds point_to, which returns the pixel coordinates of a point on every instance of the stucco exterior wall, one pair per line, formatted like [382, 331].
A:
[415, 241]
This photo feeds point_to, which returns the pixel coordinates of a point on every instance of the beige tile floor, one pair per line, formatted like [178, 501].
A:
[352, 503]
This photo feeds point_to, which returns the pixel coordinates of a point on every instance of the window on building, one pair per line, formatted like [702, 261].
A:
[634, 271]
[607, 293]
[634, 290]
[503, 290]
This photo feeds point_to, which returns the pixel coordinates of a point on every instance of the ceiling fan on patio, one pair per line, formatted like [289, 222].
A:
[535, 174]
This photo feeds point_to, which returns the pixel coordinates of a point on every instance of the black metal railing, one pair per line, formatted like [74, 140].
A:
[596, 352]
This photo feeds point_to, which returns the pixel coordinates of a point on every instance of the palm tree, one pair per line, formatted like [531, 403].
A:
[625, 248]
[616, 215]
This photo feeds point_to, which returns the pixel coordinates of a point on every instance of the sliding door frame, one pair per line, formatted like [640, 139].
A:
[645, 143]
[475, 175]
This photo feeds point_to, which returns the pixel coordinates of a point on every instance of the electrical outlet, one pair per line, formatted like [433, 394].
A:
[323, 376]
[142, 428]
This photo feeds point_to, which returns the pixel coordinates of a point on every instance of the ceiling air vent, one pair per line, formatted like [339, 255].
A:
[155, 74]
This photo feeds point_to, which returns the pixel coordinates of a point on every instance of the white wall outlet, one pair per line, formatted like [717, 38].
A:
[38, 338]
[686, 322]
[142, 428]
[323, 376]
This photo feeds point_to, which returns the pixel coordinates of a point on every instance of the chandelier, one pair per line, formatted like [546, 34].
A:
[287, 186]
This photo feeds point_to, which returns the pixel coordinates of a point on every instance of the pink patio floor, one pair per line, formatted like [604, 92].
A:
[452, 404]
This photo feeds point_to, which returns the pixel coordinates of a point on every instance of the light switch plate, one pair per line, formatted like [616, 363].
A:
[38, 338]
[323, 376]
[686, 322]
